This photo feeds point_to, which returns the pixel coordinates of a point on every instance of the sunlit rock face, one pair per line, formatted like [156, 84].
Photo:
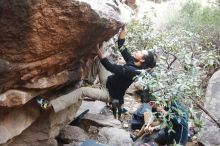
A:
[211, 133]
[43, 45]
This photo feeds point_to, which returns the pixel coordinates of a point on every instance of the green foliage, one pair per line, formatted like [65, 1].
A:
[140, 34]
[200, 17]
[187, 48]
[197, 122]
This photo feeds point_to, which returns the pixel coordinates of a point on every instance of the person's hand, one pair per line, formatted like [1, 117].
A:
[122, 33]
[149, 129]
[99, 52]
[123, 27]
[160, 108]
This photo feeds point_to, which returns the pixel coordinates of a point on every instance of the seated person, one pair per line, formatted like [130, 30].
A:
[149, 119]
[179, 123]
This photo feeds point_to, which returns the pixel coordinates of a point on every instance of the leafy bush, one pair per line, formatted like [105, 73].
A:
[188, 50]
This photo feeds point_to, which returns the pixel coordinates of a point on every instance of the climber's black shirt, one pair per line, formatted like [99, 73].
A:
[122, 77]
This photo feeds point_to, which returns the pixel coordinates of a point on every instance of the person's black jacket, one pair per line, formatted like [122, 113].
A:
[122, 77]
[180, 124]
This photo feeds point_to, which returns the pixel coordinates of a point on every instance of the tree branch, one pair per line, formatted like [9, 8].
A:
[174, 59]
[206, 111]
[172, 62]
[157, 90]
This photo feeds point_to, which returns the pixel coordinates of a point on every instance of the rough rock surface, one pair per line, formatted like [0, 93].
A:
[70, 134]
[103, 120]
[211, 133]
[50, 142]
[94, 107]
[46, 126]
[114, 136]
[73, 144]
[13, 122]
[43, 45]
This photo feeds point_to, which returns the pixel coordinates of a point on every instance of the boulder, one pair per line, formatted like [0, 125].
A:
[211, 132]
[43, 46]
[114, 136]
[91, 123]
[73, 144]
[94, 107]
[13, 98]
[70, 134]
[15, 121]
[46, 125]
[49, 142]
[42, 43]
[101, 120]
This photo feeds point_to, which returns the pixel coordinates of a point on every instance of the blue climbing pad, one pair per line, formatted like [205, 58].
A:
[92, 143]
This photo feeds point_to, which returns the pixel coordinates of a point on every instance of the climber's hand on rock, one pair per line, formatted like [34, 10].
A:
[98, 51]
[122, 33]
[123, 26]
[121, 37]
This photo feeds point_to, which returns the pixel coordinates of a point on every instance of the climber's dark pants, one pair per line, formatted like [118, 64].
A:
[116, 106]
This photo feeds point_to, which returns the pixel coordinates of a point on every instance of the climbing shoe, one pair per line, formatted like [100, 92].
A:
[43, 102]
